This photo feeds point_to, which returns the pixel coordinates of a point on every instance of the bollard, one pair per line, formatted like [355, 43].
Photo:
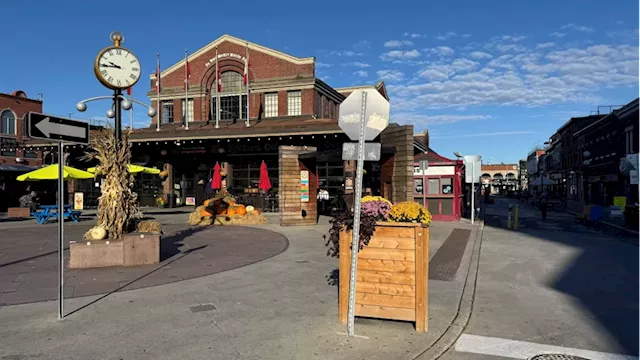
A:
[516, 216]
[509, 217]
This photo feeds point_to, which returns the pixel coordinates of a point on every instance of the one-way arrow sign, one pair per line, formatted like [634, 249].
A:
[42, 126]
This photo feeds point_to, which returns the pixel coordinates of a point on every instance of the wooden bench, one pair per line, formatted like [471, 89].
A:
[19, 212]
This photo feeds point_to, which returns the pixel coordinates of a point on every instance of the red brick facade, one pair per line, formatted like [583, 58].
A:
[270, 71]
[18, 105]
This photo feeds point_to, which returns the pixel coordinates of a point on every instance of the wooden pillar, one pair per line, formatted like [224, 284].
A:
[400, 137]
[293, 161]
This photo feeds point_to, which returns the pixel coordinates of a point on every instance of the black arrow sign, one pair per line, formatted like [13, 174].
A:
[42, 126]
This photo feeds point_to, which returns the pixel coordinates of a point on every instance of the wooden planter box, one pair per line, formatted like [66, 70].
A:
[392, 274]
[133, 249]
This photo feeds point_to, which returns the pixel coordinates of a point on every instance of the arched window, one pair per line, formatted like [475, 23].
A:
[7, 122]
[233, 97]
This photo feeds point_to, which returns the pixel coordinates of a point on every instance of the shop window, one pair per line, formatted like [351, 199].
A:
[447, 186]
[433, 186]
[231, 82]
[446, 206]
[189, 110]
[294, 103]
[418, 185]
[628, 135]
[7, 122]
[271, 105]
[30, 154]
[8, 147]
[167, 112]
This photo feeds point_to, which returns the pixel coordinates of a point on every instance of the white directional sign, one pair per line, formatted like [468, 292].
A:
[376, 114]
[371, 151]
[49, 127]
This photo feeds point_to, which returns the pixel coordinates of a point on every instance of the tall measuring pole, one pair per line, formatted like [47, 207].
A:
[60, 230]
[473, 193]
[355, 240]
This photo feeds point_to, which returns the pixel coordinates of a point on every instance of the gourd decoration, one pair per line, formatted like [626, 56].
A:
[249, 209]
[98, 233]
[241, 210]
[231, 211]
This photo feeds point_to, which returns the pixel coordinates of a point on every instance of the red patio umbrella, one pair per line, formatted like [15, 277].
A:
[216, 181]
[265, 183]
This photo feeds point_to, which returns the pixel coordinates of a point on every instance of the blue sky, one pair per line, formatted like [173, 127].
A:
[490, 78]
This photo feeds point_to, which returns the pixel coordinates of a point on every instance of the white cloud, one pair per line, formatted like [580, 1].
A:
[400, 55]
[416, 36]
[323, 65]
[577, 28]
[545, 45]
[480, 55]
[446, 36]
[619, 22]
[390, 75]
[527, 76]
[347, 53]
[499, 133]
[357, 64]
[362, 45]
[361, 73]
[421, 120]
[558, 34]
[445, 50]
[465, 36]
[397, 43]
[512, 38]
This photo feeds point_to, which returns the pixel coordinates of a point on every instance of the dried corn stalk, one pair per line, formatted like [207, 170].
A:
[118, 204]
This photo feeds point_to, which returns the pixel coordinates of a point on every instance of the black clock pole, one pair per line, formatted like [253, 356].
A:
[117, 99]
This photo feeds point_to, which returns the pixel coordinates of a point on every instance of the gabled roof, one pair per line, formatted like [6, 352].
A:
[378, 86]
[235, 40]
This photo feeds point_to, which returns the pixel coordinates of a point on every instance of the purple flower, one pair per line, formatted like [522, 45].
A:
[377, 209]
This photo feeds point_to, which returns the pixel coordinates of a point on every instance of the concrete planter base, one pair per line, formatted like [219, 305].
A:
[133, 249]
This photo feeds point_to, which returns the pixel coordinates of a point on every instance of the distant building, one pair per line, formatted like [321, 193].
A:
[499, 178]
[13, 107]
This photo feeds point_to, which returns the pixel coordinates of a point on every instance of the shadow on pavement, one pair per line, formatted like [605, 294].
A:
[603, 277]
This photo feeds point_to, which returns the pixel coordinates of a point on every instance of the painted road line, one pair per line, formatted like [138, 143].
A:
[524, 350]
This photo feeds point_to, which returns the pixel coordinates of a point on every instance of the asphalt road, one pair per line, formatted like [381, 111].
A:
[552, 286]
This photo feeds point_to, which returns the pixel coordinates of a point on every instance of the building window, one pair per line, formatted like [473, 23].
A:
[271, 105]
[8, 147]
[30, 154]
[231, 82]
[433, 187]
[189, 110]
[294, 103]
[7, 122]
[418, 186]
[318, 105]
[167, 112]
[628, 135]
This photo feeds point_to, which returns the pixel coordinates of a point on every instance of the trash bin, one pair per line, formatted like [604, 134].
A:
[171, 200]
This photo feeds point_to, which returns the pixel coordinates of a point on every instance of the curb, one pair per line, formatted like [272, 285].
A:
[465, 306]
[610, 224]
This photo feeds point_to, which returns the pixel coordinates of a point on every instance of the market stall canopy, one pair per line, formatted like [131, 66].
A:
[134, 169]
[51, 173]
[538, 181]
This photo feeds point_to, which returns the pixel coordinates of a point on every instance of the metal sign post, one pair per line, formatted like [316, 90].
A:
[56, 129]
[363, 116]
[472, 161]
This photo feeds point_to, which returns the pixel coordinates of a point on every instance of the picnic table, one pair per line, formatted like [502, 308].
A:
[51, 211]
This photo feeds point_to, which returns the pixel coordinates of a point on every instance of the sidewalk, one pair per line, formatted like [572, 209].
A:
[280, 308]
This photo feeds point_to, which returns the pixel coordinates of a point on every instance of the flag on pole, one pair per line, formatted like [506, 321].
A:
[129, 91]
[245, 78]
[219, 80]
[158, 76]
[187, 74]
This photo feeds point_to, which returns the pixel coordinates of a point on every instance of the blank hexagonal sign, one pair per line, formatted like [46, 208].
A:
[376, 115]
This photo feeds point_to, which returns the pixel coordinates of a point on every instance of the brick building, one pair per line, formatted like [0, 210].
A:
[499, 178]
[13, 107]
[289, 114]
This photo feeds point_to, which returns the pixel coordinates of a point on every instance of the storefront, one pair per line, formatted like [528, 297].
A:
[439, 188]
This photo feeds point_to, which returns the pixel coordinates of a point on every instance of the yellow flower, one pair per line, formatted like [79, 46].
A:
[375, 198]
[409, 211]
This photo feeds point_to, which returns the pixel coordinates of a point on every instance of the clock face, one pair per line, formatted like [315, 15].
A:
[117, 68]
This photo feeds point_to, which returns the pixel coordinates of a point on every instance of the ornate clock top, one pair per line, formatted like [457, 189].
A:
[117, 38]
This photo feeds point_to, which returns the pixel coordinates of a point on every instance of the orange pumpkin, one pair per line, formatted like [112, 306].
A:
[255, 212]
[231, 202]
[206, 202]
[231, 211]
[205, 213]
[241, 210]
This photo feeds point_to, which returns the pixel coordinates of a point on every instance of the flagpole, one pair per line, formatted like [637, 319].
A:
[247, 85]
[158, 94]
[131, 110]
[186, 90]
[217, 88]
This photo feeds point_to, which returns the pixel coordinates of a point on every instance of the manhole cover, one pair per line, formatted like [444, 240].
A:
[557, 357]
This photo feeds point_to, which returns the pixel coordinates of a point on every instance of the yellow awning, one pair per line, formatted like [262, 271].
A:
[51, 173]
[134, 169]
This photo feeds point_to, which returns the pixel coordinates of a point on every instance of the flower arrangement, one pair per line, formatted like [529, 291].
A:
[160, 201]
[410, 211]
[376, 206]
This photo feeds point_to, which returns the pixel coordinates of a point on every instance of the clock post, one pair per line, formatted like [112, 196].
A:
[117, 68]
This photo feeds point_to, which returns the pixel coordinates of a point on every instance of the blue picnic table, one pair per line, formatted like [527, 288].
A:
[51, 211]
